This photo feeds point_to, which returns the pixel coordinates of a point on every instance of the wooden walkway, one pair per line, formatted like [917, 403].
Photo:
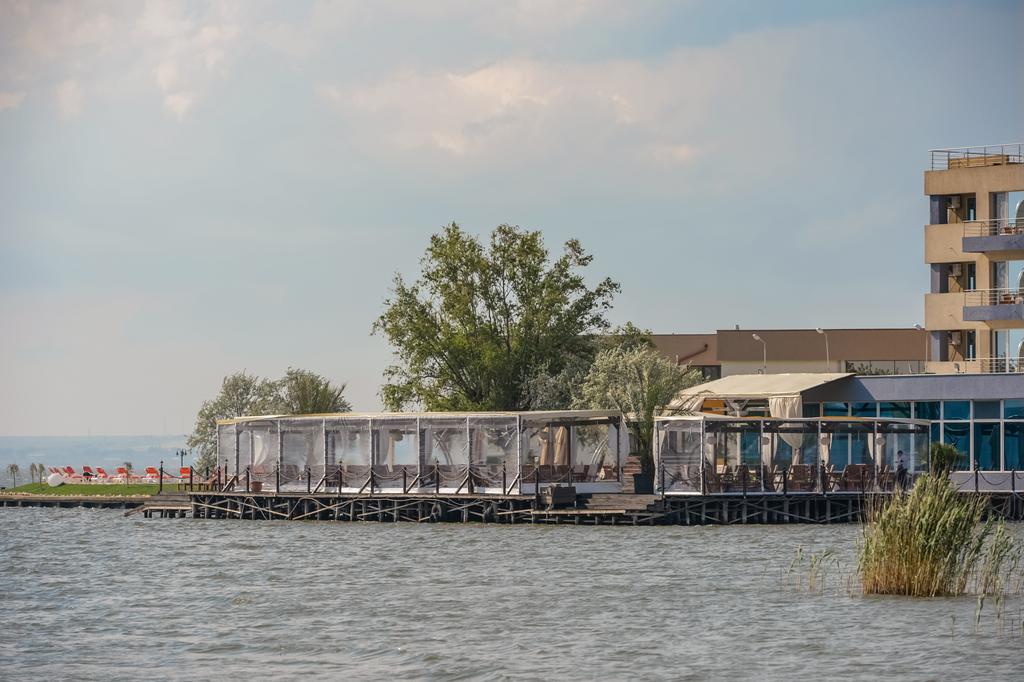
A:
[593, 510]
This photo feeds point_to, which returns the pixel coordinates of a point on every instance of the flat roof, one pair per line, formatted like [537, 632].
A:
[533, 415]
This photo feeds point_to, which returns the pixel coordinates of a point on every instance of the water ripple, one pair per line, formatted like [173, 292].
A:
[87, 594]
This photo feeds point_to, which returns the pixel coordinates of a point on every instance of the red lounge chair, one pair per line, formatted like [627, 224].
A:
[102, 475]
[88, 474]
[152, 475]
[69, 473]
[122, 475]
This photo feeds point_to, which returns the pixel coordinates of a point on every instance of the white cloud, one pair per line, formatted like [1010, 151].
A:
[659, 113]
[69, 98]
[179, 103]
[11, 100]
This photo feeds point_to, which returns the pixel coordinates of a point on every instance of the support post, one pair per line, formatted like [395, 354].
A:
[247, 488]
[661, 466]
[405, 482]
[277, 478]
[437, 479]
[536, 487]
[190, 477]
[743, 476]
[504, 479]
[161, 488]
[785, 481]
[309, 479]
[975, 478]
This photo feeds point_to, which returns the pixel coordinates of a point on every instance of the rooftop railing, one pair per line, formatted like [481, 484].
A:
[1000, 365]
[978, 297]
[972, 157]
[993, 228]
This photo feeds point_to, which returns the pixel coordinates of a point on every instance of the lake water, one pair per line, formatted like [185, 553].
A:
[88, 594]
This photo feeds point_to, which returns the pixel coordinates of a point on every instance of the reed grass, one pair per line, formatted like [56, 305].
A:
[933, 542]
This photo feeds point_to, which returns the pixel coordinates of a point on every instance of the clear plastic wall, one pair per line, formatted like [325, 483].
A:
[769, 455]
[571, 452]
[446, 452]
[679, 453]
[349, 452]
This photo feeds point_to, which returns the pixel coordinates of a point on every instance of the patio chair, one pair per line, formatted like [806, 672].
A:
[70, 474]
[123, 476]
[102, 476]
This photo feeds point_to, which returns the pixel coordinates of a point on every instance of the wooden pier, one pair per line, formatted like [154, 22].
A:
[584, 510]
[595, 509]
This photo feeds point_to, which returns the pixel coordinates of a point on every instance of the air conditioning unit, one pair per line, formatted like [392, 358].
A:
[956, 269]
[955, 338]
[954, 202]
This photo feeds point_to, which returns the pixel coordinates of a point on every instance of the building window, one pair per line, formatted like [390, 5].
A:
[986, 446]
[927, 410]
[812, 409]
[958, 434]
[1013, 409]
[836, 409]
[869, 410]
[1013, 438]
[956, 410]
[986, 409]
[894, 410]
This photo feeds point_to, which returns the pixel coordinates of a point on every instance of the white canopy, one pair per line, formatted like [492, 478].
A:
[782, 391]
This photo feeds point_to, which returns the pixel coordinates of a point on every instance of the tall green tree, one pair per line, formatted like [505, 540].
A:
[481, 320]
[240, 394]
[305, 392]
[640, 383]
[13, 470]
[298, 392]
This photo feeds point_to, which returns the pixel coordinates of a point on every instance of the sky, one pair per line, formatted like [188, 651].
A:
[193, 189]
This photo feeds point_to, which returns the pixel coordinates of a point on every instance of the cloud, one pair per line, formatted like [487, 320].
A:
[69, 98]
[11, 100]
[622, 114]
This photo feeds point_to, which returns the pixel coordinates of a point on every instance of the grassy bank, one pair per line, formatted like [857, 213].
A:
[87, 489]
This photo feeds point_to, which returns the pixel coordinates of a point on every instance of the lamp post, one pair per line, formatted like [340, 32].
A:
[828, 362]
[764, 348]
[926, 344]
[181, 454]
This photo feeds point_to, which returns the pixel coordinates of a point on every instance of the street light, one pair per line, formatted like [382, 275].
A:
[764, 347]
[926, 344]
[828, 363]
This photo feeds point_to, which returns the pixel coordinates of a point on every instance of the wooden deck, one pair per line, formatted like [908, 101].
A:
[593, 510]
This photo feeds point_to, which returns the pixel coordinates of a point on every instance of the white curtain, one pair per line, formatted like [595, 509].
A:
[825, 447]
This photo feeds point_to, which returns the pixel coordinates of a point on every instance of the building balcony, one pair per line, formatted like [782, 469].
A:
[996, 307]
[976, 366]
[977, 157]
[1001, 235]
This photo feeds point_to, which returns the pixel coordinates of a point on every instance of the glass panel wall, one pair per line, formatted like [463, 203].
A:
[986, 446]
[1013, 438]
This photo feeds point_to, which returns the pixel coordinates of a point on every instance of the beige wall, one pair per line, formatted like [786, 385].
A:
[977, 181]
[688, 349]
[943, 244]
[806, 345]
[730, 368]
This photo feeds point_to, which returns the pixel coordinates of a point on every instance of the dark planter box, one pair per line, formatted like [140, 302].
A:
[557, 496]
[643, 484]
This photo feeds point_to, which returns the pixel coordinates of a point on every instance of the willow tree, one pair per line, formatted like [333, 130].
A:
[481, 320]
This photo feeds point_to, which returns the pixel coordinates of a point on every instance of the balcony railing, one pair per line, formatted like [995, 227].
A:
[985, 297]
[993, 228]
[1000, 365]
[971, 157]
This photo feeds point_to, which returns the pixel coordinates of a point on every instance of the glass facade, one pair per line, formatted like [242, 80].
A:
[988, 433]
